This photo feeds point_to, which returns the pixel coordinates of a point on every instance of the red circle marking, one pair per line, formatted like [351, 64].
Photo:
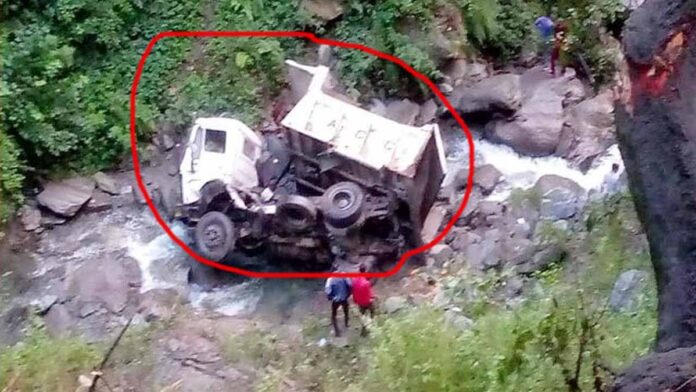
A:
[321, 41]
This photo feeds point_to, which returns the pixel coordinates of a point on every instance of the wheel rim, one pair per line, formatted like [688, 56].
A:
[213, 236]
[342, 200]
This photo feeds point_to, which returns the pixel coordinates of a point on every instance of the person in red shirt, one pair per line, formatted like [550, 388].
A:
[362, 295]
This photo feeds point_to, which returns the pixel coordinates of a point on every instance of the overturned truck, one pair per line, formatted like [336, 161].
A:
[336, 184]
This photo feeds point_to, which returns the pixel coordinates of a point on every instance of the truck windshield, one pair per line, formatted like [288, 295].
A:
[215, 141]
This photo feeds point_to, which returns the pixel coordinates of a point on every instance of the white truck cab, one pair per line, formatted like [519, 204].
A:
[219, 149]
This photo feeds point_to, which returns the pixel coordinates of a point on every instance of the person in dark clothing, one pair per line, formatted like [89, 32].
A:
[544, 26]
[560, 53]
[338, 291]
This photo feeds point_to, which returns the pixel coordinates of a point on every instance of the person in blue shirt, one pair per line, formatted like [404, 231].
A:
[338, 290]
[545, 27]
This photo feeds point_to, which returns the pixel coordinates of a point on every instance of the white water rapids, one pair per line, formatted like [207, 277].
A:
[522, 171]
[163, 266]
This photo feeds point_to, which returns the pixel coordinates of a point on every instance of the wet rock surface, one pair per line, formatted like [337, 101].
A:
[66, 197]
[536, 127]
[499, 93]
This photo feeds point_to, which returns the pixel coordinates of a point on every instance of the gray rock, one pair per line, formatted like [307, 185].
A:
[433, 222]
[394, 304]
[404, 111]
[470, 208]
[462, 239]
[513, 287]
[500, 93]
[43, 304]
[378, 107]
[625, 296]
[446, 88]
[632, 4]
[159, 304]
[30, 218]
[561, 197]
[325, 55]
[441, 299]
[545, 256]
[167, 142]
[326, 10]
[99, 202]
[103, 281]
[89, 308]
[427, 112]
[482, 255]
[517, 251]
[66, 197]
[12, 323]
[521, 229]
[106, 183]
[536, 128]
[590, 131]
[487, 177]
[50, 220]
[455, 319]
[488, 207]
[441, 253]
[460, 71]
[58, 321]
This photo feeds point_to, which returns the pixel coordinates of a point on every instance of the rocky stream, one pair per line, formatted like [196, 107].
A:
[86, 254]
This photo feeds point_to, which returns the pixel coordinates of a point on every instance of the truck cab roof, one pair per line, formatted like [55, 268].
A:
[229, 124]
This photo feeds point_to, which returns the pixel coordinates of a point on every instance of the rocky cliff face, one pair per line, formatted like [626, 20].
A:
[656, 127]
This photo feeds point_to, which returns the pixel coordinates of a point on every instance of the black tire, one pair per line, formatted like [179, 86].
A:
[297, 213]
[214, 197]
[214, 235]
[342, 204]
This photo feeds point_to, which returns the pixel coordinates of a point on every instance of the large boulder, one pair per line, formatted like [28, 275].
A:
[625, 296]
[483, 255]
[103, 282]
[461, 71]
[590, 131]
[536, 128]
[30, 218]
[66, 197]
[106, 183]
[326, 10]
[499, 93]
[487, 177]
[560, 197]
[404, 111]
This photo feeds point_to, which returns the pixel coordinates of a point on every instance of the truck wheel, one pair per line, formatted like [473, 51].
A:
[342, 204]
[214, 235]
[297, 213]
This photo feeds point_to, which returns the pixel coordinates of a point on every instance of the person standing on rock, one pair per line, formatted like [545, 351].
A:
[544, 26]
[338, 290]
[363, 296]
[560, 53]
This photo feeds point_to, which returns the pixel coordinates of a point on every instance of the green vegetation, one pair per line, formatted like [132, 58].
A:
[42, 363]
[68, 64]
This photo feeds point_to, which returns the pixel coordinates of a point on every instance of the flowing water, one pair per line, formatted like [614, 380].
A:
[521, 171]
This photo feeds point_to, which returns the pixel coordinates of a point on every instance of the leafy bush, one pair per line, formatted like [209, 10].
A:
[42, 363]
[11, 176]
